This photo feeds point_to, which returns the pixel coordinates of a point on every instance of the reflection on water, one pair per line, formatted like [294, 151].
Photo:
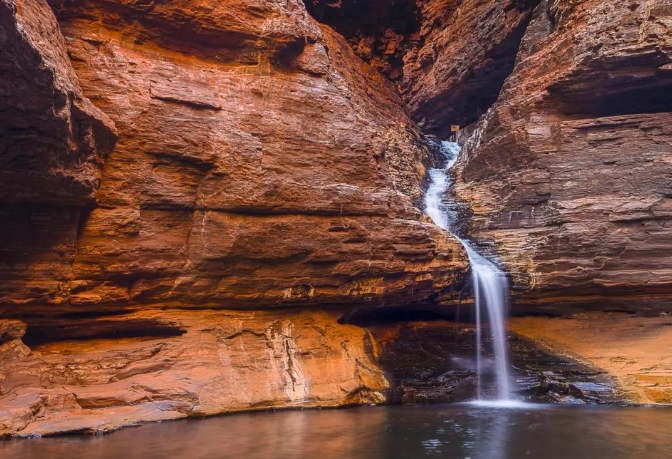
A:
[451, 431]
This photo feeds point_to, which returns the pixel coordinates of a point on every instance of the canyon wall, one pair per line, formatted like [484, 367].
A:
[569, 172]
[581, 132]
[171, 162]
[259, 163]
[195, 193]
[467, 49]
[183, 364]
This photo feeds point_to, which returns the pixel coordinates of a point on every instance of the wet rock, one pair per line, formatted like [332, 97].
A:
[545, 376]
[641, 369]
[435, 362]
[427, 361]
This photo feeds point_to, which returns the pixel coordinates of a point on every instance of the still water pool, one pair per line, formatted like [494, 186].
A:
[408, 432]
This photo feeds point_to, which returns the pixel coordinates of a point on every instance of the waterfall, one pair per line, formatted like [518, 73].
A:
[490, 283]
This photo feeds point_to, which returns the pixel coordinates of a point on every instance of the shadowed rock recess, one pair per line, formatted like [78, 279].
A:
[196, 197]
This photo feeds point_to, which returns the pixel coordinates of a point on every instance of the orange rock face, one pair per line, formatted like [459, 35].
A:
[272, 171]
[219, 362]
[258, 165]
[582, 132]
[642, 367]
[53, 140]
[195, 192]
[467, 50]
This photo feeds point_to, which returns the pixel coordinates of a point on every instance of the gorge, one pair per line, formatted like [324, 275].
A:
[210, 207]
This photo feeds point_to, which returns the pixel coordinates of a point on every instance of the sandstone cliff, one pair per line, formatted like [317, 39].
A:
[261, 166]
[53, 140]
[199, 156]
[581, 132]
[468, 48]
[569, 172]
[196, 363]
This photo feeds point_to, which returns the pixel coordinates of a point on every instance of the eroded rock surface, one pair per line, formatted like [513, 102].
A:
[569, 173]
[53, 140]
[466, 50]
[636, 350]
[380, 32]
[219, 362]
[259, 163]
[436, 362]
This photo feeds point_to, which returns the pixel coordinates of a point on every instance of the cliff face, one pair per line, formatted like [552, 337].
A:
[259, 163]
[467, 49]
[194, 192]
[569, 171]
[238, 156]
[582, 133]
[158, 365]
[53, 140]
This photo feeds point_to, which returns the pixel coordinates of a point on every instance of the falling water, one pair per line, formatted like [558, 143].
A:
[490, 283]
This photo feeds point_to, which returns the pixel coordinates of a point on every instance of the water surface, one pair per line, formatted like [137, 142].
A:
[408, 432]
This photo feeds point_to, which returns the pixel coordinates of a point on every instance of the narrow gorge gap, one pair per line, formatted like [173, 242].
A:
[379, 31]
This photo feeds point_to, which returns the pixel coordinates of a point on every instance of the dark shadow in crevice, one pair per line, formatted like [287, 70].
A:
[379, 31]
[54, 330]
[369, 316]
[655, 97]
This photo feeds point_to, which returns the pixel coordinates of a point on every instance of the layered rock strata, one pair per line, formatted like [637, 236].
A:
[185, 364]
[466, 50]
[642, 368]
[379, 31]
[258, 165]
[53, 140]
[569, 172]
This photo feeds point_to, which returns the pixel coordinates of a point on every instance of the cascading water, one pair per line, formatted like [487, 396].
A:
[490, 283]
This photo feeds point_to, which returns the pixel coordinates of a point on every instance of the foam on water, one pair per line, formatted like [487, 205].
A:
[506, 404]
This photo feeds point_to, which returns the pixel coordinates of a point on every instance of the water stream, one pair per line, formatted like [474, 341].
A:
[490, 283]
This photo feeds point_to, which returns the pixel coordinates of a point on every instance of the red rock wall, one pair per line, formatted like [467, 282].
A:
[172, 161]
[53, 140]
[467, 49]
[570, 171]
[219, 362]
[259, 163]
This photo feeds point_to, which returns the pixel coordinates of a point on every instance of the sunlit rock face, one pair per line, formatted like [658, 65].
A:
[156, 365]
[195, 194]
